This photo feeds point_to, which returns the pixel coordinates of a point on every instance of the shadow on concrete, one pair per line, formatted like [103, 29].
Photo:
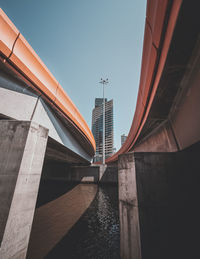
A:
[168, 186]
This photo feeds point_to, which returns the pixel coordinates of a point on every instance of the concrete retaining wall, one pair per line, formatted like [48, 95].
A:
[85, 174]
[163, 188]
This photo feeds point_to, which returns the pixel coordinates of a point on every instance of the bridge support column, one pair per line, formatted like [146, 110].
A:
[159, 204]
[130, 247]
[22, 150]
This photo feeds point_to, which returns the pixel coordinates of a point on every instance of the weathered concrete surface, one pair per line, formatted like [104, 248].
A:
[26, 107]
[26, 104]
[167, 193]
[108, 173]
[54, 170]
[174, 120]
[22, 150]
[88, 174]
[162, 139]
[53, 220]
[130, 247]
[185, 114]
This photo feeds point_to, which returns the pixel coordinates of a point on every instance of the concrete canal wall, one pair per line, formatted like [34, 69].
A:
[159, 197]
[85, 174]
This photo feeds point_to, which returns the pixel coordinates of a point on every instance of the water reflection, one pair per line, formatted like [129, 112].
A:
[96, 234]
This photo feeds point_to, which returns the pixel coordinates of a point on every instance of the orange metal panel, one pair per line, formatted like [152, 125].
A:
[168, 36]
[156, 11]
[8, 34]
[27, 61]
[148, 65]
[133, 131]
[64, 102]
[30, 64]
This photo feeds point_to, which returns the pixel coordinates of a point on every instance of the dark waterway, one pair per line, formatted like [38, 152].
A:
[96, 234]
[65, 227]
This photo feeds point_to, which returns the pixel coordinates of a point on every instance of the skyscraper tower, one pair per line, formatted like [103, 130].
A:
[97, 128]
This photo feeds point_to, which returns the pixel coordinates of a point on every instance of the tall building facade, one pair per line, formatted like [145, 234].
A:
[97, 128]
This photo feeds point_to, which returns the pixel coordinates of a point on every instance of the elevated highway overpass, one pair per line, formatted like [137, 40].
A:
[38, 121]
[29, 92]
[158, 165]
[167, 114]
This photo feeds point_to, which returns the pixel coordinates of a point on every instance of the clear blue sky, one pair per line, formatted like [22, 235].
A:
[81, 41]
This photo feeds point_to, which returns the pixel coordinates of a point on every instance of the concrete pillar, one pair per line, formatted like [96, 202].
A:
[130, 247]
[22, 150]
[159, 204]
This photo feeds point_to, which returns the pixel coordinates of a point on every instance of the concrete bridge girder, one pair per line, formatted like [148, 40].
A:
[181, 128]
[19, 102]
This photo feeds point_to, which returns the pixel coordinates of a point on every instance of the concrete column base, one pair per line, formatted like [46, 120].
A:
[159, 212]
[22, 150]
[130, 247]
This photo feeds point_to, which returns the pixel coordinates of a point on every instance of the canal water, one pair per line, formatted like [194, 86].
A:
[95, 235]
